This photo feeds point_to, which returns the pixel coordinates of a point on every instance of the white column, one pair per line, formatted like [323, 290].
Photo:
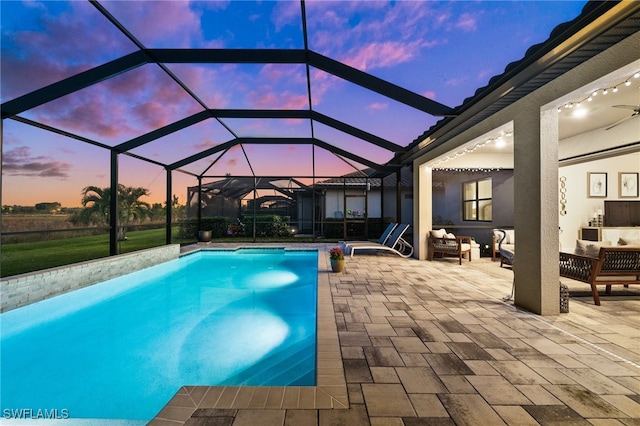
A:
[422, 209]
[536, 211]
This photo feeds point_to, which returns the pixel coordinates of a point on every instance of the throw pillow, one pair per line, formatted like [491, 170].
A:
[450, 235]
[511, 237]
[628, 242]
[440, 233]
[590, 248]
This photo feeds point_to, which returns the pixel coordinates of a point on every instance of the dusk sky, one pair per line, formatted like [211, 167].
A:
[441, 50]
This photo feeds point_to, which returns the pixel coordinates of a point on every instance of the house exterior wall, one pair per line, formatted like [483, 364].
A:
[535, 174]
[447, 202]
[334, 202]
[406, 205]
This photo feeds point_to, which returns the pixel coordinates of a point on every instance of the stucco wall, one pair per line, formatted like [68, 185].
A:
[334, 202]
[24, 289]
[580, 209]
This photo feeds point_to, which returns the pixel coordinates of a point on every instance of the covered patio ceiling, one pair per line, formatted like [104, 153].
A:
[196, 95]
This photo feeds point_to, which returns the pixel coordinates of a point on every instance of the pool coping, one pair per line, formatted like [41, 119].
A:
[330, 391]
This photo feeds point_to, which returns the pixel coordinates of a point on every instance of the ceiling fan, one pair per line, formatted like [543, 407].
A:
[636, 111]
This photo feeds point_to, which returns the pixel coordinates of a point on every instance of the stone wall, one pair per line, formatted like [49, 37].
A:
[24, 289]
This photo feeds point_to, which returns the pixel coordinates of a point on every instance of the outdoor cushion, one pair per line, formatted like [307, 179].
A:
[590, 248]
[628, 242]
[440, 233]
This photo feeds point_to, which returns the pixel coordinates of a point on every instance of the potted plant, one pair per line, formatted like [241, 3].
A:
[204, 236]
[336, 256]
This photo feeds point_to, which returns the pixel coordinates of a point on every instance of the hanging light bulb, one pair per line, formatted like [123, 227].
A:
[590, 98]
[627, 83]
[605, 91]
[636, 75]
[615, 89]
[595, 93]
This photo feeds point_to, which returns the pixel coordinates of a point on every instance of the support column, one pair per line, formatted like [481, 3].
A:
[398, 196]
[169, 209]
[422, 209]
[536, 211]
[199, 199]
[113, 206]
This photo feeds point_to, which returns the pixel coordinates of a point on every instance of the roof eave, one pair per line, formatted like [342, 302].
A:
[597, 17]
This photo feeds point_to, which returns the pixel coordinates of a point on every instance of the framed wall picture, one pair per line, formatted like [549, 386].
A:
[596, 185]
[628, 185]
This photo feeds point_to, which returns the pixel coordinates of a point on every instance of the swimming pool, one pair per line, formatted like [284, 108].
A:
[122, 348]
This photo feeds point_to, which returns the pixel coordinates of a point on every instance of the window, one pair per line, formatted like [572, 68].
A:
[476, 200]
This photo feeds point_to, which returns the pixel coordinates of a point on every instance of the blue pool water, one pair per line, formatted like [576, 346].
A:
[122, 348]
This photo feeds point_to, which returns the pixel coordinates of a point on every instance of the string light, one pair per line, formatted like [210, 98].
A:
[498, 140]
[604, 90]
[469, 169]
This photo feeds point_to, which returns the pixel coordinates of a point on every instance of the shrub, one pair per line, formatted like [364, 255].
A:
[270, 225]
[216, 224]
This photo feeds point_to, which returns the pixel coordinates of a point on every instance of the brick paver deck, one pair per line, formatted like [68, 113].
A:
[433, 343]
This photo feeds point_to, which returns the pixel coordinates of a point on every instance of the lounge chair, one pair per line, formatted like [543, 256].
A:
[395, 243]
[383, 238]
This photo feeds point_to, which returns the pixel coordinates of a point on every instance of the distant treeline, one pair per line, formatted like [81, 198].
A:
[39, 208]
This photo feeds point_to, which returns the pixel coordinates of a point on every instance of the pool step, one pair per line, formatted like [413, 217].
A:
[293, 365]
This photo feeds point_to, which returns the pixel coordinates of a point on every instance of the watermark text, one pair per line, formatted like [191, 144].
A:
[40, 413]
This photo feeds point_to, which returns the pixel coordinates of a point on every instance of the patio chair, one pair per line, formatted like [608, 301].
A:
[395, 243]
[383, 238]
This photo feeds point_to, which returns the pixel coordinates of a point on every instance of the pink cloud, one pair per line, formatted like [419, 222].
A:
[204, 145]
[380, 55]
[34, 59]
[205, 81]
[286, 13]
[466, 22]
[264, 97]
[20, 162]
[429, 94]
[159, 24]
[284, 73]
[152, 114]
[158, 101]
[377, 106]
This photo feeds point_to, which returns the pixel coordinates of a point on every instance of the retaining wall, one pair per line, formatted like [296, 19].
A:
[24, 289]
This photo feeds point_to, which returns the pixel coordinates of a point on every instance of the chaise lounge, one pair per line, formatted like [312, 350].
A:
[395, 243]
[382, 240]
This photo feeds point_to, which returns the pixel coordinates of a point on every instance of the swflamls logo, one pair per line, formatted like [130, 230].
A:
[30, 413]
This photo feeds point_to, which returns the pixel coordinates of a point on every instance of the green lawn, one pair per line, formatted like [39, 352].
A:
[18, 258]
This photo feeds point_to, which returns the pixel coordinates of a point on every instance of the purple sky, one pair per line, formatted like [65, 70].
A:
[441, 50]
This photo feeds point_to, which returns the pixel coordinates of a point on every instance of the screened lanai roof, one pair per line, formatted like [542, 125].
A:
[266, 88]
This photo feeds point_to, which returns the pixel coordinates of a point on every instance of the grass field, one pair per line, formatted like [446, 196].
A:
[19, 258]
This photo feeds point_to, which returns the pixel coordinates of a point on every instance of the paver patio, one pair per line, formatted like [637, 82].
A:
[433, 343]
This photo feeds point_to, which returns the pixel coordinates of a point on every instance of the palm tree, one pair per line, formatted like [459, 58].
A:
[130, 208]
[96, 205]
[96, 202]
